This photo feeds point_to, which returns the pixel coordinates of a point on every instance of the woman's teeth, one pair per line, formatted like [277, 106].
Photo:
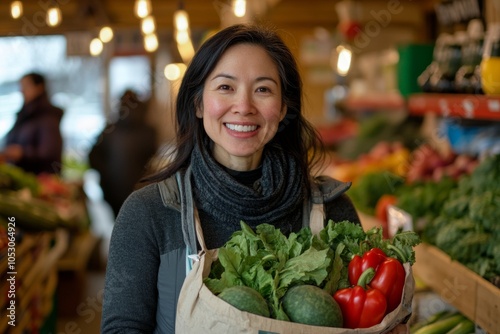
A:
[241, 128]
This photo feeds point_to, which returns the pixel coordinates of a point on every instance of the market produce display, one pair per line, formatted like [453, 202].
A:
[299, 275]
[41, 202]
[467, 227]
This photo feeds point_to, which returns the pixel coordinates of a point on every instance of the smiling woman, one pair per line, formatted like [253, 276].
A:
[244, 151]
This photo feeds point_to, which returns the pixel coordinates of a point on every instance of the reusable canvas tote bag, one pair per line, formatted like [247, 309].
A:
[199, 311]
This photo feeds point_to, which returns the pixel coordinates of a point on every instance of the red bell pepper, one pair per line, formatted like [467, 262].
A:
[361, 308]
[389, 274]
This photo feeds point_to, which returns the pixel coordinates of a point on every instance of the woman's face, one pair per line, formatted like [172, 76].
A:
[242, 106]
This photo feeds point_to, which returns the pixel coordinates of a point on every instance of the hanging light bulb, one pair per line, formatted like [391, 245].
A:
[142, 8]
[106, 34]
[182, 37]
[96, 47]
[181, 20]
[148, 25]
[54, 16]
[239, 8]
[151, 42]
[174, 71]
[344, 60]
[16, 9]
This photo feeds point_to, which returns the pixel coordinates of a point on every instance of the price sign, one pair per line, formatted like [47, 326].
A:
[398, 219]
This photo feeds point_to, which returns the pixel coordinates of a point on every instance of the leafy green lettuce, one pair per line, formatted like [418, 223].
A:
[271, 263]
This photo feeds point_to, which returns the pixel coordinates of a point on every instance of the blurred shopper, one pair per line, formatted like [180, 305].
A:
[123, 150]
[35, 143]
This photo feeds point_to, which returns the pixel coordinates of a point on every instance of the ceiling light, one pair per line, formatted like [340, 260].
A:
[344, 60]
[150, 42]
[106, 34]
[96, 47]
[181, 20]
[16, 9]
[148, 25]
[54, 16]
[174, 71]
[239, 8]
[142, 8]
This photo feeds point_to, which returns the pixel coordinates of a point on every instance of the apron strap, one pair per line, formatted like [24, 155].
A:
[317, 218]
[187, 210]
[313, 212]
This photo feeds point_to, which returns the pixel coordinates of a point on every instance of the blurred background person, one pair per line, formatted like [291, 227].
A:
[123, 149]
[35, 142]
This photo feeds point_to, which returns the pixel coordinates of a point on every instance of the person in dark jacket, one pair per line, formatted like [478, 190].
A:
[243, 151]
[123, 149]
[35, 142]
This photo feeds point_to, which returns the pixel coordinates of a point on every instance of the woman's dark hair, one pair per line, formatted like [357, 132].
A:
[295, 134]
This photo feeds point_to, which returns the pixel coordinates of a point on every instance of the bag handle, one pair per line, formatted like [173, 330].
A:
[317, 218]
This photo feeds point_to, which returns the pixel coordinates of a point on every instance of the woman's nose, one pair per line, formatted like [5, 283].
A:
[244, 102]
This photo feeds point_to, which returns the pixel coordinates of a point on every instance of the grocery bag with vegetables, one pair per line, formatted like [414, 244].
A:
[293, 274]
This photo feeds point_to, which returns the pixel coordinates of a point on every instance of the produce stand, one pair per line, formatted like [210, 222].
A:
[35, 280]
[471, 294]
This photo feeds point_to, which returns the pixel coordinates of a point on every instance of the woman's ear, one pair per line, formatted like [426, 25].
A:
[199, 113]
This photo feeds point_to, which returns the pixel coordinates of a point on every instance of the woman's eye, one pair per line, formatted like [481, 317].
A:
[263, 89]
[224, 87]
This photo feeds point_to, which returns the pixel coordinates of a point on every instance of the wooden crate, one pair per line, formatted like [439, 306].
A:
[471, 294]
[36, 280]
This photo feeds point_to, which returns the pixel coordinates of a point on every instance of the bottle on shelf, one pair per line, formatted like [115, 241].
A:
[468, 76]
[439, 76]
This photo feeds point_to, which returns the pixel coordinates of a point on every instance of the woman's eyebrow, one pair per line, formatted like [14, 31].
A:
[231, 77]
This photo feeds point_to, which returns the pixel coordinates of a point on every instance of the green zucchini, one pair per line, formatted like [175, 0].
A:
[466, 326]
[31, 214]
[432, 319]
[442, 326]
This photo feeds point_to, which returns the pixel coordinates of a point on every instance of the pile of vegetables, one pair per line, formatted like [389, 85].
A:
[446, 321]
[467, 227]
[41, 202]
[293, 274]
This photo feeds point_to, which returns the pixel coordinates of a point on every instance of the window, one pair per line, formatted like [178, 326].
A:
[75, 84]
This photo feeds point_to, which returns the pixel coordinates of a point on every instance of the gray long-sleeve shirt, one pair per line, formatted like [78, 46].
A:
[147, 258]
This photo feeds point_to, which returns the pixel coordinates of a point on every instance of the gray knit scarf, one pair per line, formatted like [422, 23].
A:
[222, 202]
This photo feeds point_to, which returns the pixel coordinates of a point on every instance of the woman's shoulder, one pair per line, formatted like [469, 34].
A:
[326, 189]
[152, 198]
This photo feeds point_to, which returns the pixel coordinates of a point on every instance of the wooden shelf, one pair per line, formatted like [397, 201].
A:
[459, 286]
[481, 107]
[375, 102]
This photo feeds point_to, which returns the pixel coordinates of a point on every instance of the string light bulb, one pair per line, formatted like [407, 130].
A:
[174, 71]
[150, 42]
[142, 8]
[148, 25]
[16, 9]
[181, 20]
[106, 34]
[239, 8]
[344, 60]
[96, 47]
[54, 16]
